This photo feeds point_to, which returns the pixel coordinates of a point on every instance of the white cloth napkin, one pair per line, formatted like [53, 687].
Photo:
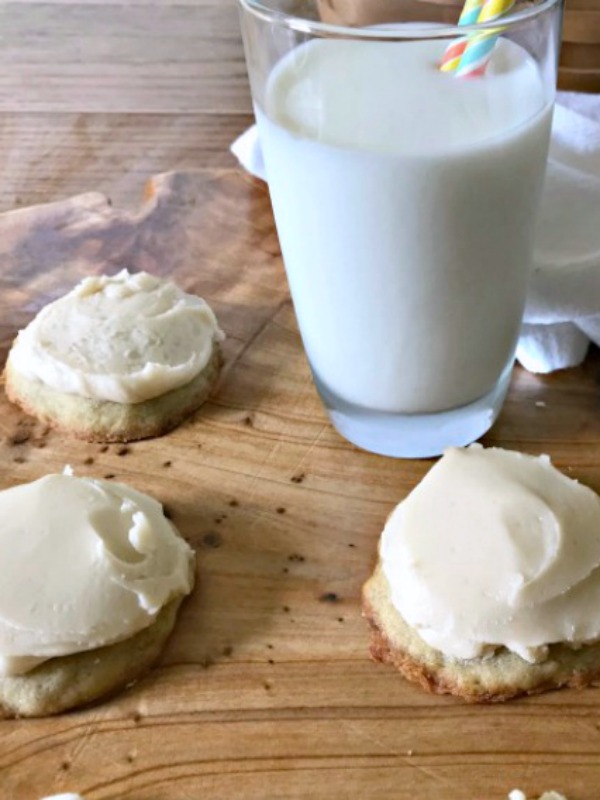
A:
[563, 304]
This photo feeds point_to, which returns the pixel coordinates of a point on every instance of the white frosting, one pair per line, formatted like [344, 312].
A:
[496, 548]
[84, 563]
[517, 794]
[67, 796]
[126, 339]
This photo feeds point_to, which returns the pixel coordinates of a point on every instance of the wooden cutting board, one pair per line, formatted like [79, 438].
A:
[266, 689]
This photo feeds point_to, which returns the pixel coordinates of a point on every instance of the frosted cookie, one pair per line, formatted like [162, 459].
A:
[116, 359]
[488, 581]
[92, 576]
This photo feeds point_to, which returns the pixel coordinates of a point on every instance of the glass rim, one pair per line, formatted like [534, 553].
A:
[390, 30]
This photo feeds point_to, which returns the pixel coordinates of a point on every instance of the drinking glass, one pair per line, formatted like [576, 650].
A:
[405, 199]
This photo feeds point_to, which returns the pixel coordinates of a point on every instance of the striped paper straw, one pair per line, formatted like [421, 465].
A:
[468, 16]
[469, 56]
[470, 12]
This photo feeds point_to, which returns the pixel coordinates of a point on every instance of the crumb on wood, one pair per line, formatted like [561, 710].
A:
[212, 540]
[329, 597]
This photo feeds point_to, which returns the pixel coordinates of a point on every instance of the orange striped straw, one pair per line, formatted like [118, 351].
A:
[470, 55]
[468, 16]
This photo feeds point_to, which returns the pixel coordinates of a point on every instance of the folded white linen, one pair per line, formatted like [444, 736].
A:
[563, 303]
[246, 149]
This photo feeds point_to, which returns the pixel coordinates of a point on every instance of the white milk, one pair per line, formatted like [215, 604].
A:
[405, 201]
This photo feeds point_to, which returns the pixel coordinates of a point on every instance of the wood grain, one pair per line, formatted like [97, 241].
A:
[266, 689]
[122, 58]
[101, 96]
[57, 155]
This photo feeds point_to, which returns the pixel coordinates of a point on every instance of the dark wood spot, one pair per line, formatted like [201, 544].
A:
[212, 540]
[136, 717]
[351, 545]
[340, 619]
[267, 685]
[286, 609]
[271, 661]
[228, 651]
[40, 445]
[206, 662]
[167, 464]
[233, 503]
[248, 421]
[269, 647]
[298, 478]
[65, 766]
[285, 570]
[88, 461]
[296, 557]
[104, 448]
[123, 451]
[329, 597]
[281, 510]
[109, 476]
[130, 758]
[19, 460]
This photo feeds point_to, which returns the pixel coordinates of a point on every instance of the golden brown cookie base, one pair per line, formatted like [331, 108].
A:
[70, 681]
[104, 421]
[491, 680]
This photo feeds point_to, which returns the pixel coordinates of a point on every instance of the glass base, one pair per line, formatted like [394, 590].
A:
[415, 435]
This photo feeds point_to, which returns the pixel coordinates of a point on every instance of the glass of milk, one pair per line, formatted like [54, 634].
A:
[405, 200]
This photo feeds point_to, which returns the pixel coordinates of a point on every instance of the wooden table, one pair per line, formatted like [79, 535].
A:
[266, 689]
